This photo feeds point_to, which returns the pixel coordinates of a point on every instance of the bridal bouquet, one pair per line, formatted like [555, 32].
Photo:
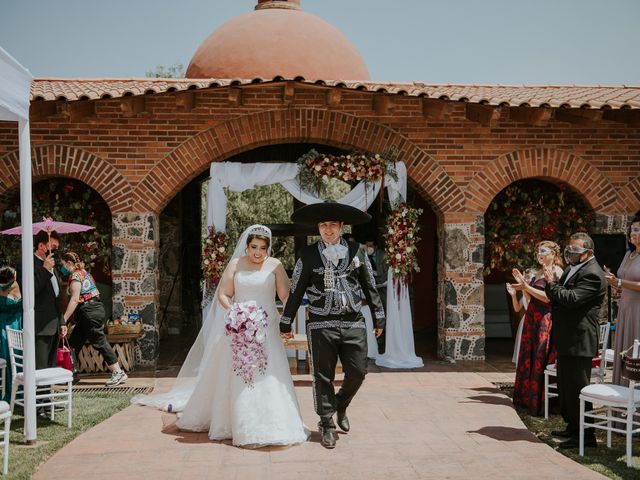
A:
[246, 324]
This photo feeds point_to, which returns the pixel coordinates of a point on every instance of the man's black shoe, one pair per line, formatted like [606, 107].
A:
[343, 420]
[328, 436]
[563, 433]
[574, 442]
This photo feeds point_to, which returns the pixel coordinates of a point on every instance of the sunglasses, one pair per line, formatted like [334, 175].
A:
[572, 249]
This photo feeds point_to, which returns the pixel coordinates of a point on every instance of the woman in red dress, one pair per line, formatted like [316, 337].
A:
[536, 350]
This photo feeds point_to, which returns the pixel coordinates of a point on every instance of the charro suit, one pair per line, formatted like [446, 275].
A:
[335, 327]
[575, 311]
[47, 318]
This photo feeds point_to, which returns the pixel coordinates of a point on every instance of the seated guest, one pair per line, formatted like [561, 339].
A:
[10, 316]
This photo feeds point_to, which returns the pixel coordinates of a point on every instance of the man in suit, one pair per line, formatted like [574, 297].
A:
[575, 305]
[335, 275]
[48, 318]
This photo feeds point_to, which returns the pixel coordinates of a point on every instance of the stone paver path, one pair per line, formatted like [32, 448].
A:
[405, 425]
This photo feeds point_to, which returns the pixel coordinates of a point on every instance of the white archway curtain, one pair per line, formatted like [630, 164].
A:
[238, 177]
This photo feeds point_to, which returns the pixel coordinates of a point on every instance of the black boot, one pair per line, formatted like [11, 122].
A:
[328, 435]
[343, 420]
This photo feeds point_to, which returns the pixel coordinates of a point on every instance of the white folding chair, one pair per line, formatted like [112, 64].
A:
[46, 380]
[3, 376]
[617, 404]
[597, 373]
[5, 416]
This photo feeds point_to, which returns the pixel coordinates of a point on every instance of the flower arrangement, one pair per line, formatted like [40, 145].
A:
[246, 324]
[400, 241]
[525, 213]
[315, 168]
[214, 258]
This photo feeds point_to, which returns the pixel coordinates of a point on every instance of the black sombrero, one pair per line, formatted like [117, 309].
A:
[329, 211]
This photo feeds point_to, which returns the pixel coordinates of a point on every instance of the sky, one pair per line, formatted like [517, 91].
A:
[532, 42]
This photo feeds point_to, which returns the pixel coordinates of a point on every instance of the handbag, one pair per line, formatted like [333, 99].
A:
[63, 355]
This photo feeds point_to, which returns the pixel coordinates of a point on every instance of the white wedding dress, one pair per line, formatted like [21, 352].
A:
[223, 405]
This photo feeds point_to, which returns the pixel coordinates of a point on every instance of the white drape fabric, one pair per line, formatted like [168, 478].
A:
[238, 177]
[14, 89]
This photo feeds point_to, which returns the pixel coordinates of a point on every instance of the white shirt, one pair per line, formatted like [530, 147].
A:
[54, 281]
[335, 253]
[574, 269]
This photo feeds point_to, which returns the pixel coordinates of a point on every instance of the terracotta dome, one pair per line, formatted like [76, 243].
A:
[277, 39]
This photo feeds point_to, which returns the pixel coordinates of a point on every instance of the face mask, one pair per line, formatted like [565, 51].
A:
[572, 255]
[370, 250]
[6, 286]
[64, 270]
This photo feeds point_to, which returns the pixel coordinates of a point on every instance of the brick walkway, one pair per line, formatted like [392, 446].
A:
[435, 423]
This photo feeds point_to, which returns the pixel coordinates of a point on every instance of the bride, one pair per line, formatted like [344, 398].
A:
[208, 394]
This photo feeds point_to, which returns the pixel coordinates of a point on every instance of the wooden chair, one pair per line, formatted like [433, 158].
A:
[597, 373]
[46, 379]
[617, 404]
[5, 416]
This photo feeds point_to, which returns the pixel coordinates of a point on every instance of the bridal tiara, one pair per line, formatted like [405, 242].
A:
[260, 230]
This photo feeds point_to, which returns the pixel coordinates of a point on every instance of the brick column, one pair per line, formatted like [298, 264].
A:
[461, 332]
[135, 276]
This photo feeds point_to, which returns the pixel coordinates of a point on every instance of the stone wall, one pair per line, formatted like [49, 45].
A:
[135, 276]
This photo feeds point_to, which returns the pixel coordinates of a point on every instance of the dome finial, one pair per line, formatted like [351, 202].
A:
[290, 4]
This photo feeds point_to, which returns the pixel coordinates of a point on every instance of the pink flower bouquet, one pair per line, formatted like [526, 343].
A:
[246, 324]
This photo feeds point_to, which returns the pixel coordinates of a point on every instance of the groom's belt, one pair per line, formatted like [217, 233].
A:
[348, 320]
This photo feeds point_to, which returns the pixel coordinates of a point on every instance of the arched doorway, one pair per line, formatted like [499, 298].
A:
[522, 214]
[181, 228]
[67, 200]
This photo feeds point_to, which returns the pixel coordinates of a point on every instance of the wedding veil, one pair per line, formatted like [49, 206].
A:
[202, 349]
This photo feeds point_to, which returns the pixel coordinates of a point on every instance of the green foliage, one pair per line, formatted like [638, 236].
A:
[64, 200]
[265, 204]
[525, 213]
[161, 71]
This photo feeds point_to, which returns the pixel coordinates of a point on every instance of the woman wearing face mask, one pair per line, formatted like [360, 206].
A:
[10, 315]
[536, 350]
[627, 281]
[90, 315]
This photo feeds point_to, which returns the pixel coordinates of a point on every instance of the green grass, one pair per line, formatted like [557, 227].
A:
[611, 463]
[88, 411]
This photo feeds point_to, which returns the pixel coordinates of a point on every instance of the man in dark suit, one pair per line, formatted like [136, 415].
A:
[48, 318]
[575, 306]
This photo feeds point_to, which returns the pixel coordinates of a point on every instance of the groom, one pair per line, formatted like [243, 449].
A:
[334, 274]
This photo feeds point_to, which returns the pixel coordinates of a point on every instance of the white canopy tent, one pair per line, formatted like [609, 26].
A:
[15, 84]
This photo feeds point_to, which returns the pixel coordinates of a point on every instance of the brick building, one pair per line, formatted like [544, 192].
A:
[140, 143]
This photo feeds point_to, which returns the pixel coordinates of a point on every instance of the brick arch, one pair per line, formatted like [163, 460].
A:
[544, 163]
[67, 161]
[629, 197]
[255, 130]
